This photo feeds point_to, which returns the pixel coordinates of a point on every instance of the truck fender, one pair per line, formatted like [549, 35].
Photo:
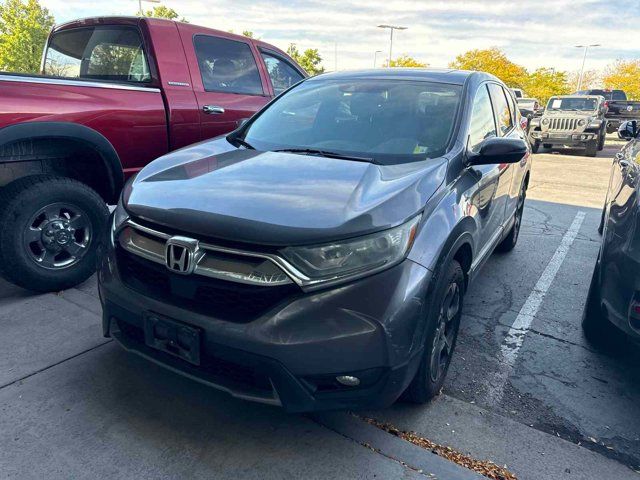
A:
[70, 131]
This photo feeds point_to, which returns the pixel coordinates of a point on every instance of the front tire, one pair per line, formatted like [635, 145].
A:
[591, 148]
[509, 242]
[442, 333]
[601, 140]
[51, 228]
[535, 146]
[548, 146]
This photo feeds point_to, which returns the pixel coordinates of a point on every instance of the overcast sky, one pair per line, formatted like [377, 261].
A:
[532, 32]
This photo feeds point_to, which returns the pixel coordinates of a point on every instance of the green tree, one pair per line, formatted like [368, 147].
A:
[546, 82]
[164, 12]
[406, 61]
[248, 34]
[310, 59]
[495, 62]
[624, 75]
[24, 28]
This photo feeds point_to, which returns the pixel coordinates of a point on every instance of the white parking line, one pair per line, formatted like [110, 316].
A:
[515, 336]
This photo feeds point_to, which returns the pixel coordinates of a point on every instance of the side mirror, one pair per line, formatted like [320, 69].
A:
[496, 150]
[628, 130]
[524, 122]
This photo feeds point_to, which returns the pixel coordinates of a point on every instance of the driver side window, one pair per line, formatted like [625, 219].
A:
[482, 124]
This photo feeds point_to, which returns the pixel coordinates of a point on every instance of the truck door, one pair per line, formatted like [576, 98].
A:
[226, 81]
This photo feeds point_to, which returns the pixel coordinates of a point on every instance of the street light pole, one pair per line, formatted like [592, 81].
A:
[375, 57]
[392, 28]
[584, 59]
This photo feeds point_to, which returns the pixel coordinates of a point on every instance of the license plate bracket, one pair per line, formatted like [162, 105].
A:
[172, 337]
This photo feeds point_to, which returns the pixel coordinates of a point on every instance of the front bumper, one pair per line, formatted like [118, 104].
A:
[372, 328]
[562, 138]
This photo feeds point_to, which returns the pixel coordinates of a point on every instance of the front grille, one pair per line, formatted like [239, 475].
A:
[226, 300]
[222, 371]
[563, 124]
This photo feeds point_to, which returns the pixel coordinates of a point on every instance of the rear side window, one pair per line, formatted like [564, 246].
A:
[281, 73]
[504, 118]
[483, 124]
[227, 66]
[113, 53]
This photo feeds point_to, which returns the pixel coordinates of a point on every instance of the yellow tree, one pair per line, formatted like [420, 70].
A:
[493, 61]
[406, 61]
[546, 82]
[624, 75]
[590, 79]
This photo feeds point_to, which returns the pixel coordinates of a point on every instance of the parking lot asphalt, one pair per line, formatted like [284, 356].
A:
[73, 405]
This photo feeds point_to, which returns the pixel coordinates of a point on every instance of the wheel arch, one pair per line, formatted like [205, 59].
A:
[64, 148]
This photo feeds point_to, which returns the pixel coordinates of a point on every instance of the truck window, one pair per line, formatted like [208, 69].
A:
[112, 53]
[281, 73]
[227, 66]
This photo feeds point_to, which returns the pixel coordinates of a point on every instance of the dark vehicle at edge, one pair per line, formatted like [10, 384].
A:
[317, 257]
[619, 108]
[613, 303]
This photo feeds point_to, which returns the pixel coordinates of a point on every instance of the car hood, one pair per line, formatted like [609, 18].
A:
[271, 198]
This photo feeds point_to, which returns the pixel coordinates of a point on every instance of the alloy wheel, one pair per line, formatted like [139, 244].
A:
[57, 236]
[444, 337]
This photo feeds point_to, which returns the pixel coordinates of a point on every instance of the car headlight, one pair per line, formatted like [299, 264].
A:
[118, 217]
[545, 121]
[349, 258]
[582, 122]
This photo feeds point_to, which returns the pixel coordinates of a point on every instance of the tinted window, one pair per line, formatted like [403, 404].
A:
[386, 120]
[483, 124]
[282, 74]
[98, 53]
[504, 118]
[227, 66]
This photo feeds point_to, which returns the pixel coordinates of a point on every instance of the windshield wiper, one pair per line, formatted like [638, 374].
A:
[240, 141]
[324, 153]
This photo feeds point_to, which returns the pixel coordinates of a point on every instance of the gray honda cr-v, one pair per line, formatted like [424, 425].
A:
[318, 256]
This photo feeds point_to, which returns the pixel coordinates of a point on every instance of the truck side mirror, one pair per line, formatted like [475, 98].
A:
[628, 130]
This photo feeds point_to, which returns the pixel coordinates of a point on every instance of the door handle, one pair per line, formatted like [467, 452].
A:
[212, 109]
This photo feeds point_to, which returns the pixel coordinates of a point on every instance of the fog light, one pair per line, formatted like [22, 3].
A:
[348, 380]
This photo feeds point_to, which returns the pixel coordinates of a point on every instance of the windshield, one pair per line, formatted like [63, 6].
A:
[386, 121]
[574, 103]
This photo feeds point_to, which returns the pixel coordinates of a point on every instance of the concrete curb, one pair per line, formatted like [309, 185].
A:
[414, 457]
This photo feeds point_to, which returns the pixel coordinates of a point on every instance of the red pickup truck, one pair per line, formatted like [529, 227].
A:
[114, 94]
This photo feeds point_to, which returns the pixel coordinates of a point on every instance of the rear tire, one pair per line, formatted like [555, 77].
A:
[509, 242]
[597, 329]
[591, 148]
[535, 146]
[51, 228]
[442, 333]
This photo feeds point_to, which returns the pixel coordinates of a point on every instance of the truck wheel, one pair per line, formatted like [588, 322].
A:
[442, 333]
[548, 146]
[535, 146]
[601, 140]
[50, 231]
[591, 148]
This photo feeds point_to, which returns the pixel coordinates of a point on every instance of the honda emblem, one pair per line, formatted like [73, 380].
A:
[181, 255]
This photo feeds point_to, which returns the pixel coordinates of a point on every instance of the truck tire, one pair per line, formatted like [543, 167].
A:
[50, 231]
[591, 148]
[535, 146]
[442, 333]
[601, 140]
[548, 146]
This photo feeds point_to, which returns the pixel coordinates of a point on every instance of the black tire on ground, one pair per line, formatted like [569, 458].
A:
[446, 308]
[548, 146]
[535, 146]
[24, 199]
[597, 329]
[601, 140]
[591, 148]
[601, 225]
[509, 242]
